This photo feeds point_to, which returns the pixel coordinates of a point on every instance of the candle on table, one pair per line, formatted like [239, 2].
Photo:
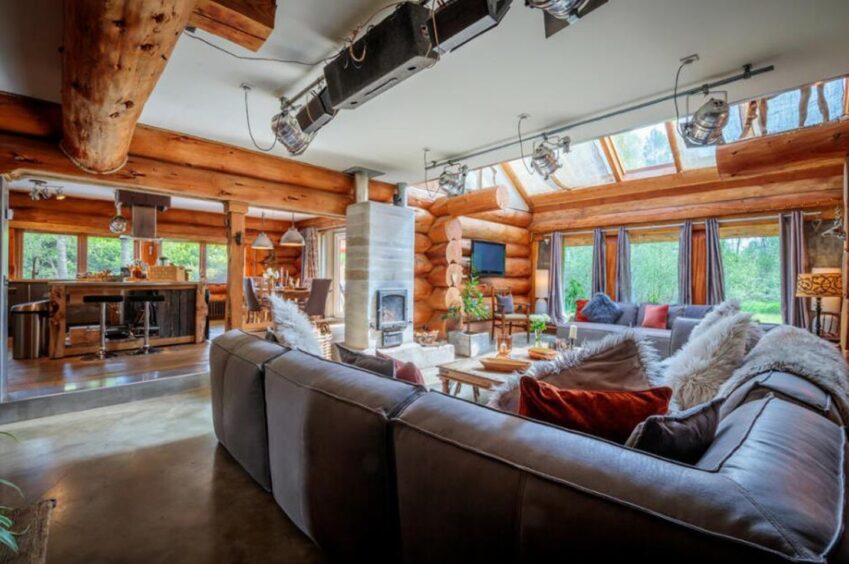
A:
[573, 331]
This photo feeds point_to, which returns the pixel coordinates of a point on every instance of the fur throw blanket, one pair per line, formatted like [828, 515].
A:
[620, 361]
[803, 354]
[292, 328]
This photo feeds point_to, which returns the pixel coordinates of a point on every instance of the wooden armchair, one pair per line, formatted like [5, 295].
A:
[520, 316]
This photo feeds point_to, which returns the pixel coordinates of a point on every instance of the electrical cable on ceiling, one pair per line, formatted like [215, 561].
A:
[260, 59]
[247, 89]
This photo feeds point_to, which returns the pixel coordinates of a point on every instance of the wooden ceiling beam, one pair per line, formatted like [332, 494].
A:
[612, 159]
[517, 184]
[113, 55]
[673, 144]
[248, 23]
[20, 115]
[812, 146]
[21, 157]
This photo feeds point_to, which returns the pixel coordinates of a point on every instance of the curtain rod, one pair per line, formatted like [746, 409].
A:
[747, 73]
[698, 222]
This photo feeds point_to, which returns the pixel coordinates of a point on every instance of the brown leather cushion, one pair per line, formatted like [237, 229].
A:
[606, 414]
[683, 436]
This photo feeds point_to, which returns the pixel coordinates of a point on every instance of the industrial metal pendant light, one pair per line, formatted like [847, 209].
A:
[560, 9]
[288, 131]
[262, 242]
[705, 126]
[545, 159]
[292, 237]
[452, 181]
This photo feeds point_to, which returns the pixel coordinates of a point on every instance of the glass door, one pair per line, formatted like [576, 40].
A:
[339, 249]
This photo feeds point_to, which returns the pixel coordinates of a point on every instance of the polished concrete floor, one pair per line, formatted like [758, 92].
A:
[146, 482]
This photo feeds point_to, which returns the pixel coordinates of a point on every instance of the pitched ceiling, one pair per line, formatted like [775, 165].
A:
[624, 52]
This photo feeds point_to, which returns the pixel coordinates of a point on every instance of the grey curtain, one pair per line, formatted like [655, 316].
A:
[599, 262]
[685, 263]
[309, 258]
[714, 272]
[623, 266]
[794, 311]
[556, 298]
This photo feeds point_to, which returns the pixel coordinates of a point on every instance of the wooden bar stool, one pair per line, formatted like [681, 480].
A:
[146, 299]
[103, 301]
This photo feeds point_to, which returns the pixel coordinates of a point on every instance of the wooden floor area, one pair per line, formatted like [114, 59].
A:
[46, 376]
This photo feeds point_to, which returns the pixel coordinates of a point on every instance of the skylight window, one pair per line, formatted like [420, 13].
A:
[533, 183]
[585, 165]
[696, 157]
[644, 151]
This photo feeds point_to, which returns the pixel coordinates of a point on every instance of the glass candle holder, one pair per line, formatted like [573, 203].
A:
[504, 345]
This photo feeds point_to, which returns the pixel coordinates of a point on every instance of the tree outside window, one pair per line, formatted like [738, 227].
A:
[104, 253]
[49, 256]
[216, 263]
[654, 272]
[577, 274]
[752, 268]
[185, 254]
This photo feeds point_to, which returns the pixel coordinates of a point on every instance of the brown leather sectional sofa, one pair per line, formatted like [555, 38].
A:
[377, 470]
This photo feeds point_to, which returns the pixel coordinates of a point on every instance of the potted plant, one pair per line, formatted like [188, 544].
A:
[473, 308]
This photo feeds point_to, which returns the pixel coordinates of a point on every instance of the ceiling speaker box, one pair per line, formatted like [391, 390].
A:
[394, 50]
[459, 21]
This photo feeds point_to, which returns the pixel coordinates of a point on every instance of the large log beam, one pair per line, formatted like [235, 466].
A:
[20, 115]
[823, 144]
[114, 53]
[488, 231]
[245, 22]
[507, 216]
[486, 200]
[20, 156]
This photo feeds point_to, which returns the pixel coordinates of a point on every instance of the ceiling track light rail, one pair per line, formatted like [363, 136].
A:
[747, 73]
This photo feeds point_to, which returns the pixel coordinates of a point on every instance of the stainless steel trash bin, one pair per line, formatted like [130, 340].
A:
[30, 329]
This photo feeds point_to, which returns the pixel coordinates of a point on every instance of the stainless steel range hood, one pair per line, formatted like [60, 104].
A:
[144, 206]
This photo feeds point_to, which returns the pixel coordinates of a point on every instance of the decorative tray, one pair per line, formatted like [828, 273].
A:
[542, 353]
[501, 364]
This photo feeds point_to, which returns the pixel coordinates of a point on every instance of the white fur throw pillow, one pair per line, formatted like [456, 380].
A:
[620, 361]
[292, 327]
[724, 310]
[697, 371]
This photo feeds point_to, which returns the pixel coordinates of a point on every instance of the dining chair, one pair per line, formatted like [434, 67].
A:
[317, 302]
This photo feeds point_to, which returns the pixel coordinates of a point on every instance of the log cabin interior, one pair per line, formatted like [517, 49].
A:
[376, 279]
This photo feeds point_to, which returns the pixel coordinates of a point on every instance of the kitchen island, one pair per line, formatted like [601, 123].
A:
[180, 318]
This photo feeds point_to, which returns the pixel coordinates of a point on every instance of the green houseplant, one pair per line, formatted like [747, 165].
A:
[474, 304]
[538, 322]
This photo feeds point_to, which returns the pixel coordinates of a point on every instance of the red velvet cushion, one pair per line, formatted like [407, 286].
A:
[656, 316]
[406, 371]
[579, 307]
[606, 414]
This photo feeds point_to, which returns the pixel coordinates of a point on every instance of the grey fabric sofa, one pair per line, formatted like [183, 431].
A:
[374, 469]
[632, 316]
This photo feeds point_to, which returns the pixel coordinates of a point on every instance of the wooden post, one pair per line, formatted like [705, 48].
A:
[235, 224]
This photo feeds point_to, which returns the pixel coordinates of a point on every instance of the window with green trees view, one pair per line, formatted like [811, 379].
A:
[104, 253]
[654, 272]
[577, 274]
[47, 255]
[753, 275]
[216, 263]
[185, 254]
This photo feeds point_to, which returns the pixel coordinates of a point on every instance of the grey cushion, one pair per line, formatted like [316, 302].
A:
[330, 454]
[629, 314]
[601, 309]
[683, 436]
[381, 366]
[236, 371]
[697, 311]
[504, 303]
[675, 311]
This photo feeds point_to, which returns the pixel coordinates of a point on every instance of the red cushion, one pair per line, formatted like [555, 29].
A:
[656, 316]
[406, 371]
[579, 307]
[607, 414]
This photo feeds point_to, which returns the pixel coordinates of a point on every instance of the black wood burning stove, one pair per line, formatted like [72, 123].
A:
[392, 316]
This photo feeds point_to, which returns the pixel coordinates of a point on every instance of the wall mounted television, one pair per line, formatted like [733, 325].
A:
[488, 258]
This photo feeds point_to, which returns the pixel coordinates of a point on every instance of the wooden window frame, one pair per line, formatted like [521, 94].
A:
[19, 248]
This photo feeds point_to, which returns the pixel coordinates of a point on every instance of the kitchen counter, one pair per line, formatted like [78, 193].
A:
[180, 318]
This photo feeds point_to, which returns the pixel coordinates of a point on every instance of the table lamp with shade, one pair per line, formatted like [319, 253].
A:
[541, 291]
[819, 285]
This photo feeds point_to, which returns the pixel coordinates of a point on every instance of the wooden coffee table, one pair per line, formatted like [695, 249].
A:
[470, 371]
